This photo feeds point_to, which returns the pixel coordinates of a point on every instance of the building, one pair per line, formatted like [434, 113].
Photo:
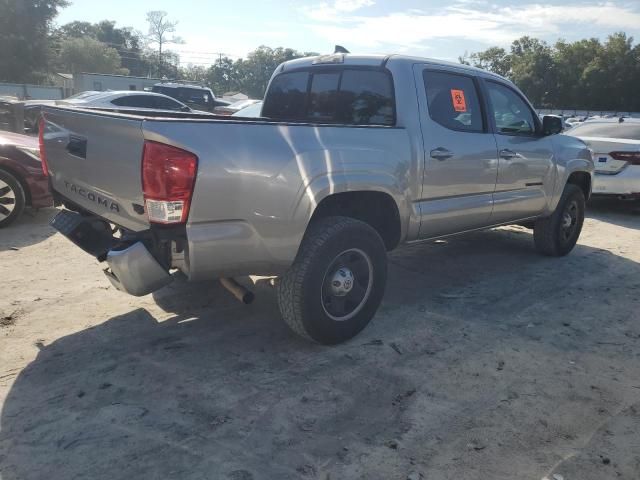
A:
[64, 81]
[83, 82]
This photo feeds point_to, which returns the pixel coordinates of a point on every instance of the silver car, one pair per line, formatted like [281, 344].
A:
[615, 144]
[121, 99]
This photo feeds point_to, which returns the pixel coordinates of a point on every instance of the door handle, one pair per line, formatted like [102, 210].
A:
[440, 153]
[507, 154]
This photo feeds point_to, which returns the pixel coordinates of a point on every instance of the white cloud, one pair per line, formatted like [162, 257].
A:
[335, 10]
[470, 20]
[203, 49]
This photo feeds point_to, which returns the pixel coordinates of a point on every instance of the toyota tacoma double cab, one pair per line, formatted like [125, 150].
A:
[352, 157]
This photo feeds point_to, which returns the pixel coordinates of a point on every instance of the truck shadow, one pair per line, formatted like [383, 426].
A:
[32, 227]
[226, 391]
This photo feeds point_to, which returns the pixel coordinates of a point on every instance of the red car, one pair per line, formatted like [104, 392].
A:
[22, 181]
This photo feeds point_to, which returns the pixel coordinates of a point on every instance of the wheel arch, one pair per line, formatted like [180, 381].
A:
[356, 195]
[578, 171]
[19, 176]
[378, 209]
[583, 180]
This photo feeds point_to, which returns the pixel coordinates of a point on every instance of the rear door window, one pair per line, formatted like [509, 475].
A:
[135, 101]
[345, 96]
[453, 101]
[163, 103]
[195, 96]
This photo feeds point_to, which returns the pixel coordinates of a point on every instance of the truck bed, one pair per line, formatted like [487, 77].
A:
[258, 181]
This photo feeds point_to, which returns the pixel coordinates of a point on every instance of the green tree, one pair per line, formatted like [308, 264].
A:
[88, 55]
[254, 72]
[571, 61]
[125, 40]
[533, 70]
[194, 73]
[223, 76]
[585, 74]
[24, 29]
[160, 28]
[494, 59]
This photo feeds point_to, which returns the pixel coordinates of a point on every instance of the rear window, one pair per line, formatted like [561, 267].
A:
[164, 90]
[346, 96]
[287, 97]
[323, 97]
[135, 101]
[607, 130]
[194, 95]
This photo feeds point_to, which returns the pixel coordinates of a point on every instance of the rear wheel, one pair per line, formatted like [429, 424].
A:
[12, 198]
[557, 235]
[337, 281]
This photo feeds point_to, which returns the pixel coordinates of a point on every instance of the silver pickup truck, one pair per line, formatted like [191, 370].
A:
[352, 157]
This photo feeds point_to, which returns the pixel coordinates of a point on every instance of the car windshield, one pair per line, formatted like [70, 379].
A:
[607, 130]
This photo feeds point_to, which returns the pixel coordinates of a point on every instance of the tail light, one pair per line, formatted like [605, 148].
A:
[632, 158]
[43, 154]
[168, 178]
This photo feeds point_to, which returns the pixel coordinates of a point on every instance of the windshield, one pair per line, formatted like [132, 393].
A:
[607, 130]
[253, 110]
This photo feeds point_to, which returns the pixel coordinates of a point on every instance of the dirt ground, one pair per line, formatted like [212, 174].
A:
[486, 361]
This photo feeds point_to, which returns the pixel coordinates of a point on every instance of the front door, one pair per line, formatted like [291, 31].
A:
[525, 168]
[460, 155]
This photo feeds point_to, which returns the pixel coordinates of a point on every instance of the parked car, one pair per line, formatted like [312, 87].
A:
[616, 154]
[196, 96]
[116, 99]
[354, 156]
[7, 112]
[235, 107]
[22, 180]
[253, 110]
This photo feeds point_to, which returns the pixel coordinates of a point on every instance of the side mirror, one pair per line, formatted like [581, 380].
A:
[551, 125]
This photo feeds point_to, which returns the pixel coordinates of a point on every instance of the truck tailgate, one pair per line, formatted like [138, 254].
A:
[94, 160]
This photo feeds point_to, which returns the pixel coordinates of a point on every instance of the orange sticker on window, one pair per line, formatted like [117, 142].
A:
[459, 104]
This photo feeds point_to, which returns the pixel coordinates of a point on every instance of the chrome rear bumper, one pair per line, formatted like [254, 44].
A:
[131, 267]
[134, 271]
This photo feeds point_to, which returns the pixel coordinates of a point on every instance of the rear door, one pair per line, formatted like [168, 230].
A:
[525, 169]
[95, 161]
[460, 154]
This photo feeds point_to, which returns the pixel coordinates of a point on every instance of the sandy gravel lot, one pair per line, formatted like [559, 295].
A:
[486, 361]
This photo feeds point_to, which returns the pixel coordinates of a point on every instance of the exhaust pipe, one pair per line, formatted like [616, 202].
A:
[242, 293]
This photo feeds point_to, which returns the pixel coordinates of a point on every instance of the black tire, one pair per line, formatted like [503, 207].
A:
[313, 299]
[557, 235]
[12, 198]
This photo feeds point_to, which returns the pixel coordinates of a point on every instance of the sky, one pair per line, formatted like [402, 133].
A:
[443, 29]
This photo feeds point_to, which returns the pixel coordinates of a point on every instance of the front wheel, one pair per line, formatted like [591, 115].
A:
[557, 235]
[337, 281]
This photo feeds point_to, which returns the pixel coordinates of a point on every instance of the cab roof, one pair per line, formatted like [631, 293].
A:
[376, 61]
